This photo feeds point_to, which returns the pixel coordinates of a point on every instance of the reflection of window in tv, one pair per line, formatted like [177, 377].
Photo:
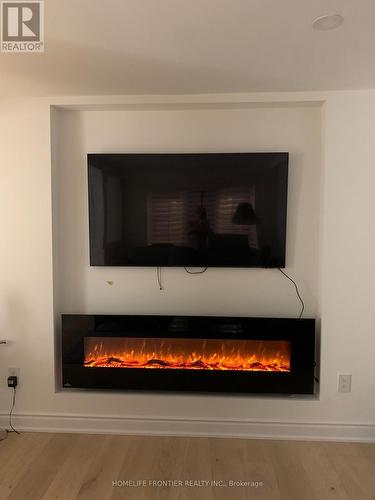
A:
[170, 216]
[167, 218]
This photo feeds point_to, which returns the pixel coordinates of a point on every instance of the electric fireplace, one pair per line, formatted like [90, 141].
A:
[188, 353]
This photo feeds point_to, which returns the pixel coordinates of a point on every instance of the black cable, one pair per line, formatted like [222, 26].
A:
[11, 411]
[297, 291]
[158, 277]
[10, 418]
[196, 272]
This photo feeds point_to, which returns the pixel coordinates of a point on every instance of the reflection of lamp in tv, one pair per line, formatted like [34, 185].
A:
[244, 215]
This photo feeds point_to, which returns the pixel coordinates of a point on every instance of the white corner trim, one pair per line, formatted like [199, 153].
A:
[158, 426]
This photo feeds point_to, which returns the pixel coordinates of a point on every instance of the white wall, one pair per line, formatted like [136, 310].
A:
[348, 250]
[346, 271]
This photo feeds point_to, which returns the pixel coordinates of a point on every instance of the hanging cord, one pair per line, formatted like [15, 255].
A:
[11, 411]
[297, 291]
[158, 277]
[7, 431]
[3, 430]
[196, 272]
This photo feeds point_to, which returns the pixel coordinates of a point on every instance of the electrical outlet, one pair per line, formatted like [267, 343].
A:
[14, 372]
[345, 383]
[12, 381]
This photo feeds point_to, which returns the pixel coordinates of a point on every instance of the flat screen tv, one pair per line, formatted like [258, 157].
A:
[188, 210]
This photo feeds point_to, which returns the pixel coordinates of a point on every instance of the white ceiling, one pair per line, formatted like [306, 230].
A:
[195, 46]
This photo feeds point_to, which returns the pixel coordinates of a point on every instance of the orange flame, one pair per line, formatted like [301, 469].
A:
[187, 354]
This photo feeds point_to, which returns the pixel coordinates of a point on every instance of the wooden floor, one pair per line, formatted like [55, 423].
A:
[37, 466]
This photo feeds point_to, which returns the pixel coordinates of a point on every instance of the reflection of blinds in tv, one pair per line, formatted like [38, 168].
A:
[170, 215]
[166, 218]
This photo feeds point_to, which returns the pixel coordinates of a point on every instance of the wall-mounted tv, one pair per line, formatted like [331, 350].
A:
[188, 210]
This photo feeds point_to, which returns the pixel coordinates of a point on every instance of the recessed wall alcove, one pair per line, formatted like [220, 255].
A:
[81, 289]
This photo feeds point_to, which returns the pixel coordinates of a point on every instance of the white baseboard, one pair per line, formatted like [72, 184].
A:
[158, 426]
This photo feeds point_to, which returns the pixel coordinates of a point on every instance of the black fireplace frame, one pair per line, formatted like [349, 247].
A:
[300, 332]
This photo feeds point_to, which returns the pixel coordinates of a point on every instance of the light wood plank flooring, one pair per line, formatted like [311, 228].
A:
[39, 466]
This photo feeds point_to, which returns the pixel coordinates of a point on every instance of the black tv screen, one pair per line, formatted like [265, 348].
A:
[190, 210]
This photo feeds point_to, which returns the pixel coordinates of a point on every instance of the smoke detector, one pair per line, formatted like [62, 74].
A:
[326, 23]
